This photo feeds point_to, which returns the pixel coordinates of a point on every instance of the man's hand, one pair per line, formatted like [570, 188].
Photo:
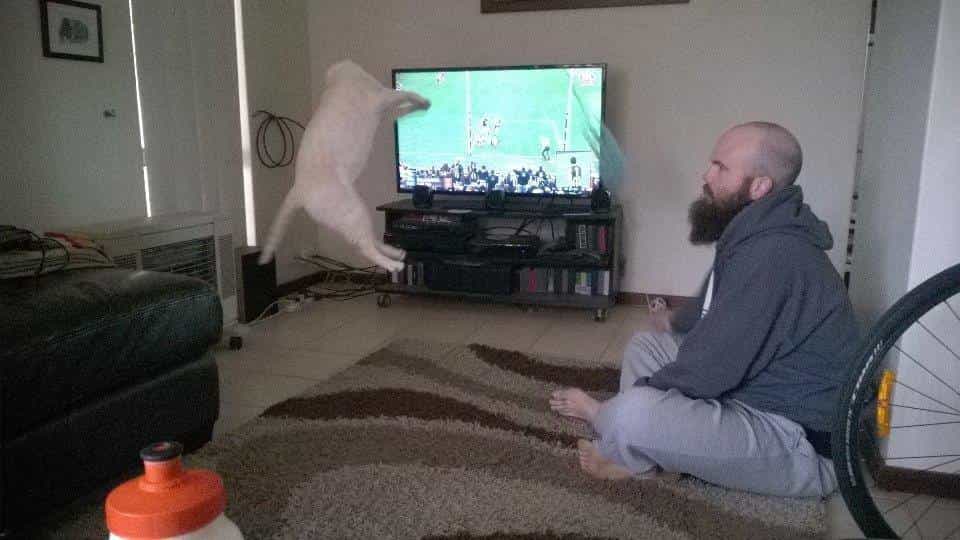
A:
[660, 320]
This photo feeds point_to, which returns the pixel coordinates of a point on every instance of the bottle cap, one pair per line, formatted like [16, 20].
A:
[167, 500]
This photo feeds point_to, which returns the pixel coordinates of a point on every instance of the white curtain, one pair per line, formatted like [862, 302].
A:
[186, 59]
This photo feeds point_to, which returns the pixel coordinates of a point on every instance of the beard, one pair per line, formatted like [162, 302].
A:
[709, 216]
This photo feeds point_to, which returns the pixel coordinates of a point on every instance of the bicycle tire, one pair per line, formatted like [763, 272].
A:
[855, 392]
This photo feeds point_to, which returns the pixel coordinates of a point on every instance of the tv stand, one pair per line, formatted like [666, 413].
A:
[582, 272]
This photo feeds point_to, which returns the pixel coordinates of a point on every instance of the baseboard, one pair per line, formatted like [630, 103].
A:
[936, 484]
[640, 298]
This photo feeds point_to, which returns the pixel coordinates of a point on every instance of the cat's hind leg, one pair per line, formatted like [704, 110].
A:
[291, 203]
[354, 224]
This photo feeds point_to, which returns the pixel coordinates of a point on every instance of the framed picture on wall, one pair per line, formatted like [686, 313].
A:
[71, 30]
[497, 6]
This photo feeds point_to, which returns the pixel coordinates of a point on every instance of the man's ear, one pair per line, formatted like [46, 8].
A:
[760, 187]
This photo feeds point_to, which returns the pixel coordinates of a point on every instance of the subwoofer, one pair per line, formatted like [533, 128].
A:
[257, 287]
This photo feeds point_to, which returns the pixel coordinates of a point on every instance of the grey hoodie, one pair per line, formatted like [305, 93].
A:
[780, 328]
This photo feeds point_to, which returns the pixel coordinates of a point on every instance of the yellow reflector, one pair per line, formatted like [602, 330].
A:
[883, 403]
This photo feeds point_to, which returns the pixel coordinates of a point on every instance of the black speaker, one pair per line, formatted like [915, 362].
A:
[257, 287]
[495, 200]
[422, 197]
[600, 199]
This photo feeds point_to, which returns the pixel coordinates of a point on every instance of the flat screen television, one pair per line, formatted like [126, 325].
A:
[522, 129]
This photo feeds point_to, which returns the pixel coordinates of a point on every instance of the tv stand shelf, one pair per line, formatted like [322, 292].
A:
[543, 299]
[604, 269]
[543, 261]
[558, 209]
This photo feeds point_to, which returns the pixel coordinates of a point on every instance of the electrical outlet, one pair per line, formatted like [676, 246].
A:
[289, 304]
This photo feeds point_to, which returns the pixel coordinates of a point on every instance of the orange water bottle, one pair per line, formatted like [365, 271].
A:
[169, 501]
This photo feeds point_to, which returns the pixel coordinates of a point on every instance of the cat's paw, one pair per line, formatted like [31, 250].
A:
[395, 266]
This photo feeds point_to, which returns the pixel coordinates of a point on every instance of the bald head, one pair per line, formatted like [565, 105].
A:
[775, 152]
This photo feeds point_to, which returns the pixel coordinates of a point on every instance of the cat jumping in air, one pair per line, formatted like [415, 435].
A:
[333, 152]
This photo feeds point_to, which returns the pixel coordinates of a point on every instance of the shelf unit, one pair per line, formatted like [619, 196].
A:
[564, 212]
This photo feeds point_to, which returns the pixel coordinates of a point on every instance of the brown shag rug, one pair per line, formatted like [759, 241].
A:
[430, 440]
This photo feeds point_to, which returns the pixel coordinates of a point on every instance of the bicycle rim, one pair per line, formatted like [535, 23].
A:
[869, 436]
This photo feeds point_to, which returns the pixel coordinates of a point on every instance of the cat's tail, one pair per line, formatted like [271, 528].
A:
[279, 226]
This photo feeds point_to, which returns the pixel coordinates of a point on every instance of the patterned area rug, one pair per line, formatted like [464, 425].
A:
[429, 440]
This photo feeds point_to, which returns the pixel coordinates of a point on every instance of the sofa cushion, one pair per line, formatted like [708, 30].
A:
[70, 338]
[74, 455]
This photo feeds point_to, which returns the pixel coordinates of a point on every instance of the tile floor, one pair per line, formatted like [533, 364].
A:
[288, 353]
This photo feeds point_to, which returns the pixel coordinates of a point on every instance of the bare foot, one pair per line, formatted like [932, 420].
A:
[598, 466]
[575, 403]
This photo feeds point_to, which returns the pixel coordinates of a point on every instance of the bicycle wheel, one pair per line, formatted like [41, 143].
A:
[898, 425]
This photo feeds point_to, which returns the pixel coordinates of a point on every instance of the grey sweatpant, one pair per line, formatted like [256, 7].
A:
[725, 442]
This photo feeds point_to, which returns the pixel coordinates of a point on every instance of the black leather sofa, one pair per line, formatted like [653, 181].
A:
[94, 365]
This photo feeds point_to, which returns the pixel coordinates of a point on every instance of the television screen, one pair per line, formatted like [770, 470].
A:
[524, 130]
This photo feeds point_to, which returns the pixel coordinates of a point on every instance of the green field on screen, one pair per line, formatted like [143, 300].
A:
[503, 121]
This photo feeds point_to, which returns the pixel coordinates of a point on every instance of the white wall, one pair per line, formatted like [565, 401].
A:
[936, 239]
[895, 127]
[278, 80]
[678, 76]
[61, 161]
[935, 246]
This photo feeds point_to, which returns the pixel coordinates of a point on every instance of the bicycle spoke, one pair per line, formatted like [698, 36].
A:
[922, 457]
[915, 495]
[951, 309]
[924, 425]
[899, 504]
[932, 467]
[922, 409]
[940, 341]
[931, 398]
[953, 532]
[932, 374]
[916, 521]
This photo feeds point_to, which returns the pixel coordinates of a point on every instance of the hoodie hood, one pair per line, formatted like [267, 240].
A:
[783, 212]
[780, 327]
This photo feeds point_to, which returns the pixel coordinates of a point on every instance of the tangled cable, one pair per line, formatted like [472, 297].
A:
[336, 271]
[288, 150]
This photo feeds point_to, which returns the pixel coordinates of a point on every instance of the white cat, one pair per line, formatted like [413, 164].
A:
[333, 152]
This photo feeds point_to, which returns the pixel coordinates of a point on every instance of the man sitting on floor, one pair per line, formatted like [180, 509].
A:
[740, 387]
